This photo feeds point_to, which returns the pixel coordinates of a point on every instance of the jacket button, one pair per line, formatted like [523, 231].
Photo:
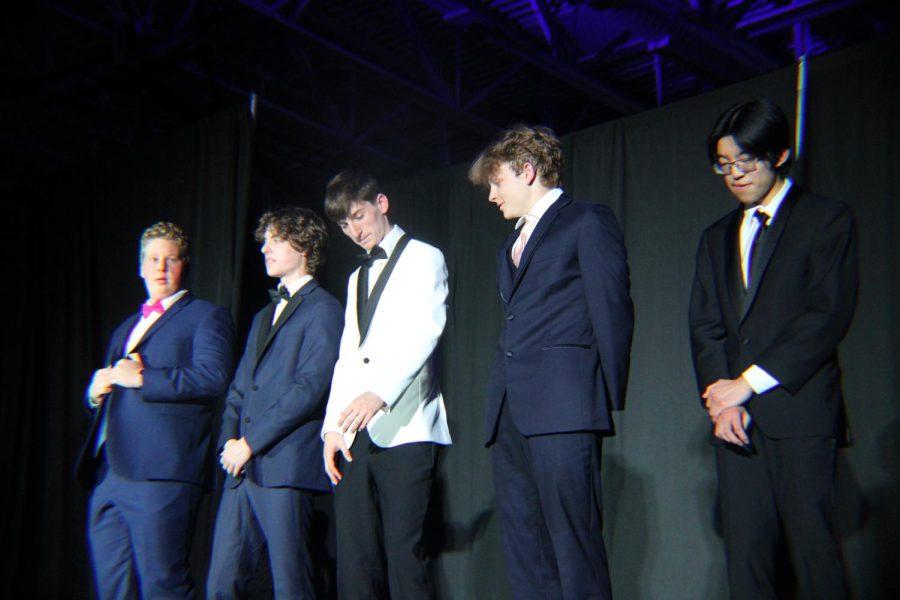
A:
[255, 388]
[510, 317]
[746, 341]
[246, 419]
[509, 354]
[366, 361]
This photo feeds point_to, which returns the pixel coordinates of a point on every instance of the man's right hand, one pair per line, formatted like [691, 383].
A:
[100, 386]
[334, 442]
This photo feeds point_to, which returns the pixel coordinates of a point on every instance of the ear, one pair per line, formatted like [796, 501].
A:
[381, 201]
[529, 172]
[782, 158]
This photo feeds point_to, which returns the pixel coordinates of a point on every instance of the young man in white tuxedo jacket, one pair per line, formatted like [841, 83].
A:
[385, 417]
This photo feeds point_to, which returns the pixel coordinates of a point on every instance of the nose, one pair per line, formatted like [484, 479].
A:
[354, 231]
[265, 248]
[492, 195]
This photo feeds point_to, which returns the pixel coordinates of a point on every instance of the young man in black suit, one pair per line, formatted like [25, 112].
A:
[774, 293]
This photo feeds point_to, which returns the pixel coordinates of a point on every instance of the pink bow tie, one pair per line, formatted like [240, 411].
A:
[149, 309]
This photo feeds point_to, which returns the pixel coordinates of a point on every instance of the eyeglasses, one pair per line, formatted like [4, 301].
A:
[741, 165]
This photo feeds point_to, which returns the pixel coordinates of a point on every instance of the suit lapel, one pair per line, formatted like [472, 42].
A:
[506, 271]
[773, 235]
[732, 263]
[117, 347]
[543, 226]
[292, 306]
[265, 326]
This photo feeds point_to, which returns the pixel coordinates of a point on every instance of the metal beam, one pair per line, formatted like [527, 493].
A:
[445, 106]
[523, 46]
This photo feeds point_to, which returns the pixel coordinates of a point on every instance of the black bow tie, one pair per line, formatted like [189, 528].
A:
[370, 258]
[762, 217]
[280, 294]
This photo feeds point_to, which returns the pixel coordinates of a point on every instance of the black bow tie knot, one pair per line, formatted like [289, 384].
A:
[280, 294]
[762, 217]
[370, 257]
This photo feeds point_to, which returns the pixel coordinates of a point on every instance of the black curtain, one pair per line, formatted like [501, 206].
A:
[73, 278]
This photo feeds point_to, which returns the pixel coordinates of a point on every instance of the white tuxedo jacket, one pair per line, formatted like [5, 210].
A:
[395, 361]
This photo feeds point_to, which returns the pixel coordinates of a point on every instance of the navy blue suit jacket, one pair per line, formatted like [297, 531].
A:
[162, 431]
[563, 356]
[277, 399]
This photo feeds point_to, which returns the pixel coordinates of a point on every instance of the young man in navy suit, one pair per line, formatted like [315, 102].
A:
[270, 444]
[773, 295]
[386, 416]
[561, 367]
[147, 458]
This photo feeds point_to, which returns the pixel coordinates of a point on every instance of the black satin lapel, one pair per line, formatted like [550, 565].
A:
[383, 277]
[164, 318]
[770, 244]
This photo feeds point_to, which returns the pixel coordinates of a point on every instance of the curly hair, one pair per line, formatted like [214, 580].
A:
[302, 228]
[516, 146]
[164, 230]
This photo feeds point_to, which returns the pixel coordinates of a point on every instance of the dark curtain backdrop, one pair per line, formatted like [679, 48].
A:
[73, 280]
[77, 253]
[659, 477]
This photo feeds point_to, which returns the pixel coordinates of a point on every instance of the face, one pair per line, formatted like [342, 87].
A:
[367, 223]
[755, 188]
[282, 259]
[161, 268]
[510, 192]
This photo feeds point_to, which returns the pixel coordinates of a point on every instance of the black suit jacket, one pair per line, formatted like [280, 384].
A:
[791, 319]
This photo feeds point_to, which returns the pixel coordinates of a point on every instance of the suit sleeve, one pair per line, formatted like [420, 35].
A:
[312, 368]
[209, 370]
[708, 332]
[811, 337]
[424, 314]
[604, 269]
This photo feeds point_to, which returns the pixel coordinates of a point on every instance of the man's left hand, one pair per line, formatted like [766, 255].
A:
[726, 393]
[360, 412]
[235, 455]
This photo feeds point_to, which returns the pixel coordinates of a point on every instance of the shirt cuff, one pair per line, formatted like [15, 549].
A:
[759, 379]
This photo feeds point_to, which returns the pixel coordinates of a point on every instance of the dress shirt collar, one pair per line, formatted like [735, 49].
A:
[772, 207]
[389, 241]
[294, 286]
[540, 207]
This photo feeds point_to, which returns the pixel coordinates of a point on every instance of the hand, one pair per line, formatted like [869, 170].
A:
[726, 393]
[235, 455]
[732, 424]
[360, 412]
[334, 442]
[128, 372]
[101, 385]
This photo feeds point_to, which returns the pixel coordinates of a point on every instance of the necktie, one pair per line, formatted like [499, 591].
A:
[280, 294]
[757, 242]
[149, 309]
[519, 246]
[369, 258]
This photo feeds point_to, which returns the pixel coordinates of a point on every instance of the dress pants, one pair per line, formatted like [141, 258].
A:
[251, 517]
[779, 486]
[140, 535]
[380, 507]
[550, 499]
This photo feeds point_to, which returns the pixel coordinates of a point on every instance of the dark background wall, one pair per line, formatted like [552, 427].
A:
[76, 240]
